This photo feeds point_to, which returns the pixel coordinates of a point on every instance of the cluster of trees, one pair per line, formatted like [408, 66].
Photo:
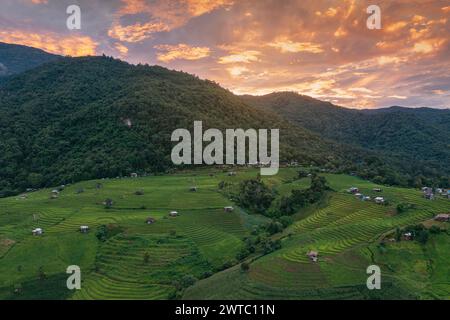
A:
[255, 196]
[288, 205]
[403, 207]
[104, 232]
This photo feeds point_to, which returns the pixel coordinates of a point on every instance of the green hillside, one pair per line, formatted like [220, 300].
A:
[417, 137]
[122, 257]
[83, 118]
[16, 58]
[76, 119]
[67, 121]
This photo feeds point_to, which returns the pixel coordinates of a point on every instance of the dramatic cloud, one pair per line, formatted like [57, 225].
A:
[290, 46]
[136, 32]
[162, 15]
[123, 50]
[50, 42]
[181, 51]
[317, 48]
[241, 57]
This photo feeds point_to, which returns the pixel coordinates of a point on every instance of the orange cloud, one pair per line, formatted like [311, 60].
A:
[136, 32]
[163, 16]
[292, 47]
[331, 12]
[237, 71]
[199, 7]
[340, 32]
[181, 51]
[133, 7]
[65, 45]
[396, 26]
[121, 48]
[241, 57]
[428, 46]
[39, 1]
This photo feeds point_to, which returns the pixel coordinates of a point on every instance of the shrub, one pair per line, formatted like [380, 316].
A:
[188, 280]
[286, 221]
[105, 232]
[435, 230]
[245, 266]
[255, 195]
[274, 227]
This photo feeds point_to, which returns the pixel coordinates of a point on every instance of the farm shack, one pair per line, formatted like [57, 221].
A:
[134, 175]
[408, 236]
[108, 203]
[150, 220]
[313, 255]
[37, 232]
[84, 229]
[377, 190]
[193, 189]
[429, 196]
[173, 213]
[231, 174]
[379, 200]
[228, 209]
[353, 190]
[442, 217]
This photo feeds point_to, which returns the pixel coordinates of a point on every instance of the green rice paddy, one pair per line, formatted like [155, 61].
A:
[202, 238]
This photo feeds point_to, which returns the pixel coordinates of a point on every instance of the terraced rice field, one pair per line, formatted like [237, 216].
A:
[344, 232]
[142, 261]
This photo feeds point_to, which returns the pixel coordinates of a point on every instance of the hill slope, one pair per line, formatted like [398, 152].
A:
[135, 260]
[16, 58]
[82, 118]
[412, 134]
[68, 121]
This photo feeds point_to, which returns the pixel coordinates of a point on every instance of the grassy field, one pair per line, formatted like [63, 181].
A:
[140, 261]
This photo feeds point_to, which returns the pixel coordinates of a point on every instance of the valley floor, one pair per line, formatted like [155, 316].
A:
[137, 260]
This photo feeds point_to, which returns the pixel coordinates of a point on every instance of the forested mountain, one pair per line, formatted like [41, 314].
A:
[80, 118]
[16, 58]
[413, 134]
[74, 119]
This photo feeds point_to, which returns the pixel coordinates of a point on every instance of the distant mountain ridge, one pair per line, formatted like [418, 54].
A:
[417, 134]
[15, 58]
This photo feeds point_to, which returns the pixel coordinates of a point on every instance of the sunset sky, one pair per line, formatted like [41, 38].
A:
[318, 48]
